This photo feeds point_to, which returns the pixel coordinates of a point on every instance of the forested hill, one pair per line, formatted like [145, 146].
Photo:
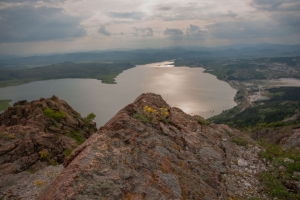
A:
[106, 72]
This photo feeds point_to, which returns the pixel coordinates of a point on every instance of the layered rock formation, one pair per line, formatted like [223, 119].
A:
[34, 135]
[150, 150]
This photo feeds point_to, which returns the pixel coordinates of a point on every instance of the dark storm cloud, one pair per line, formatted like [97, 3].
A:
[126, 15]
[276, 5]
[144, 32]
[173, 32]
[26, 23]
[103, 31]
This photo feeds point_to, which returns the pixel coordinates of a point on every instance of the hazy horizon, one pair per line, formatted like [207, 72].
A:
[201, 48]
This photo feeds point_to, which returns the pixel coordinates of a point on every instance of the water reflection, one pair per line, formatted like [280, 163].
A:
[187, 88]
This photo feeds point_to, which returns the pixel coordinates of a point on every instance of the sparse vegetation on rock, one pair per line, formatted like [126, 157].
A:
[283, 178]
[148, 114]
[149, 150]
[138, 156]
[57, 115]
[34, 135]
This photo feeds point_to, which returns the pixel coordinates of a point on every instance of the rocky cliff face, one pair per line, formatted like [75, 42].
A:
[34, 135]
[150, 150]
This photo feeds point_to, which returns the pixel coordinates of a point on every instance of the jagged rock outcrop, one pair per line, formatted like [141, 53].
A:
[27, 186]
[285, 136]
[159, 152]
[36, 134]
[293, 140]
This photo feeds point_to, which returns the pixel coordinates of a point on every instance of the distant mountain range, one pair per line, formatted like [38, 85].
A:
[151, 55]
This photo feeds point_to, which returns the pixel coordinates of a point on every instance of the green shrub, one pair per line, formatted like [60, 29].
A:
[90, 117]
[202, 121]
[48, 112]
[88, 121]
[141, 117]
[240, 141]
[56, 115]
[76, 135]
[59, 116]
[67, 152]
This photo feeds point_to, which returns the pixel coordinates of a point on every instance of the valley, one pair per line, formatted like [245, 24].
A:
[259, 143]
[268, 89]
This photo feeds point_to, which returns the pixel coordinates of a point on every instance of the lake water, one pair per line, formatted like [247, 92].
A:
[190, 89]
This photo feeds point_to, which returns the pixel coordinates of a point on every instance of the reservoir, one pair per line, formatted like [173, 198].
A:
[189, 89]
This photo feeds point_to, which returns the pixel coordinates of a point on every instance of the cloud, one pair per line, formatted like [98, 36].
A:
[144, 32]
[246, 29]
[126, 15]
[21, 1]
[163, 7]
[183, 11]
[276, 5]
[103, 31]
[27, 23]
[290, 21]
[231, 14]
[173, 32]
[286, 13]
[195, 30]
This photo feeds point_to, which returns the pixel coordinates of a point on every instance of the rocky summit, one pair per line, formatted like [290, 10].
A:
[152, 151]
[35, 138]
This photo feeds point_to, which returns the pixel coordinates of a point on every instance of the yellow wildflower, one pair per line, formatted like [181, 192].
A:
[39, 183]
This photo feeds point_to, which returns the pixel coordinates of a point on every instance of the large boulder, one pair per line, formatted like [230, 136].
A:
[150, 150]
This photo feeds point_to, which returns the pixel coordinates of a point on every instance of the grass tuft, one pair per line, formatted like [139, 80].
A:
[240, 141]
[275, 180]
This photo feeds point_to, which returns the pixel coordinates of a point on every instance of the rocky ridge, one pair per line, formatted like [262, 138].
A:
[34, 135]
[150, 150]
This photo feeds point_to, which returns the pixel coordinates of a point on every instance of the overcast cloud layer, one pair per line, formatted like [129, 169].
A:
[33, 26]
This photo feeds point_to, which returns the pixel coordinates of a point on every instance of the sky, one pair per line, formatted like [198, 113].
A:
[42, 27]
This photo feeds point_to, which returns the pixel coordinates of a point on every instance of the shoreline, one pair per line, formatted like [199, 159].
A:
[4, 104]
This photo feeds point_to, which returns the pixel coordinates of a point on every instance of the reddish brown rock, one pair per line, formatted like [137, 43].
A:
[138, 155]
[31, 140]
